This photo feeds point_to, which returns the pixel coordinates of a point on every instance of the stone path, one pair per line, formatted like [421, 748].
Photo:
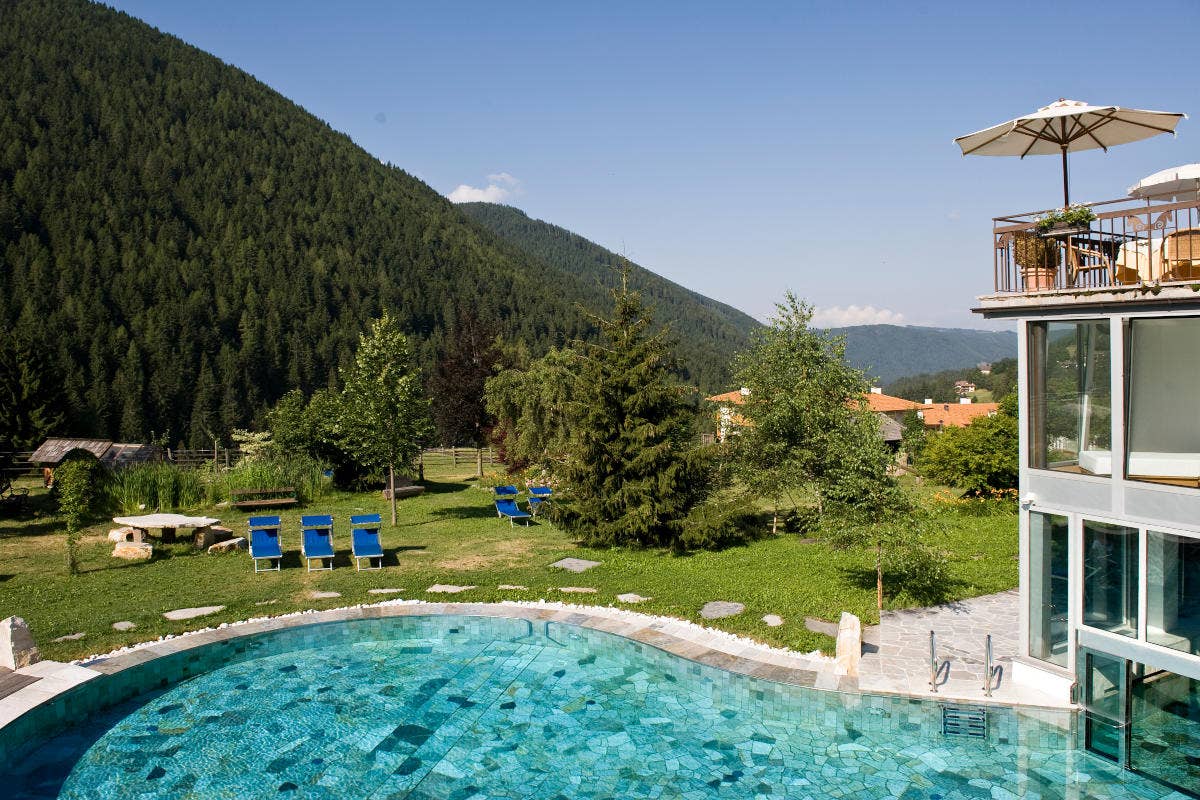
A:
[125, 625]
[719, 609]
[631, 597]
[577, 589]
[575, 564]
[190, 613]
[447, 588]
[384, 591]
[323, 595]
[899, 662]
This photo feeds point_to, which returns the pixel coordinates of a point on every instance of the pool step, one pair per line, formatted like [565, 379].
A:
[968, 721]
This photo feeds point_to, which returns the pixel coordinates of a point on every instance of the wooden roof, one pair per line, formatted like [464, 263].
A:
[52, 451]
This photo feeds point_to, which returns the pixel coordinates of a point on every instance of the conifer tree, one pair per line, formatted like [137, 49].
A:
[629, 478]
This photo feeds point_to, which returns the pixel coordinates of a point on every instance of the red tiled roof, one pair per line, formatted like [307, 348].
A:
[734, 397]
[955, 415]
[885, 402]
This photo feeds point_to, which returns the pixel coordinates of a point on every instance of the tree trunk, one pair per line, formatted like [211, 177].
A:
[392, 493]
[878, 575]
[775, 521]
[478, 462]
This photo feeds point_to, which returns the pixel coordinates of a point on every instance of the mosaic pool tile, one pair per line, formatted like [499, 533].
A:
[481, 707]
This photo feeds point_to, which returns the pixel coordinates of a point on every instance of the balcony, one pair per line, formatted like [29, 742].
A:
[1132, 250]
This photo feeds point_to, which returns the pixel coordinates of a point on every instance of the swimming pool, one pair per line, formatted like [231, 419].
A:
[472, 707]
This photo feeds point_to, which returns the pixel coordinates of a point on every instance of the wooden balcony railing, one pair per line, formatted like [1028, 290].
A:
[1130, 243]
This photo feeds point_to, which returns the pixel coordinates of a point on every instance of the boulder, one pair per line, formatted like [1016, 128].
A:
[849, 645]
[207, 537]
[127, 534]
[228, 546]
[17, 648]
[133, 551]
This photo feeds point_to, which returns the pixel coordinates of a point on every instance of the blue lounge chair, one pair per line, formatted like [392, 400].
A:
[506, 491]
[364, 540]
[507, 507]
[537, 496]
[264, 542]
[316, 540]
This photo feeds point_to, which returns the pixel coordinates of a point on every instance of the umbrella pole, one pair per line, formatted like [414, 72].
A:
[1066, 189]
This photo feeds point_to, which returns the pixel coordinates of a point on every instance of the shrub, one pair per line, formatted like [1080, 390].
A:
[75, 481]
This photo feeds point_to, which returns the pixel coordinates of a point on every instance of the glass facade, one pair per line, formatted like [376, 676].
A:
[1173, 591]
[1110, 577]
[1163, 386]
[1070, 397]
[1104, 704]
[1048, 587]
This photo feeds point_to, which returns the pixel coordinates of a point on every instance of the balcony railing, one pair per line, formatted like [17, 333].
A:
[1130, 243]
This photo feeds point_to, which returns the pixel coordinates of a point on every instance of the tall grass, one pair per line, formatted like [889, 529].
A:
[151, 487]
[306, 475]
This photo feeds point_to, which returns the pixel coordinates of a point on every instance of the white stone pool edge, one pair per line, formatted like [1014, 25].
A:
[681, 638]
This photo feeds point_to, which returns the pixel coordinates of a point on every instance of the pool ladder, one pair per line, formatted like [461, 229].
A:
[990, 670]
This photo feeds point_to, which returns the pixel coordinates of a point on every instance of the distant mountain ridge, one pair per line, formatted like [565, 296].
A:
[889, 352]
[708, 332]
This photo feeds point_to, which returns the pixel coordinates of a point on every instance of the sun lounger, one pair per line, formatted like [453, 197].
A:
[264, 542]
[316, 540]
[506, 491]
[364, 540]
[507, 507]
[537, 496]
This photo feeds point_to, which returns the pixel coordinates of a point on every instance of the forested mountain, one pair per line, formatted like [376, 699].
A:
[182, 245]
[889, 352]
[709, 332]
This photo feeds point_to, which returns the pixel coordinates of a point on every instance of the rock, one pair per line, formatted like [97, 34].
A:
[127, 534]
[849, 645]
[188, 613]
[17, 648]
[266, 602]
[123, 626]
[230, 546]
[577, 589]
[207, 537]
[719, 609]
[70, 637]
[575, 564]
[384, 591]
[773, 620]
[513, 587]
[323, 595]
[630, 597]
[133, 551]
[447, 588]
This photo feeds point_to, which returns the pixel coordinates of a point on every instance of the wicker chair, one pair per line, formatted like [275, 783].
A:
[1090, 266]
[1181, 255]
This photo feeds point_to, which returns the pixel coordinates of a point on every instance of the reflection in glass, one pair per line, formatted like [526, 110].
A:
[1048, 588]
[1104, 703]
[1164, 384]
[1110, 577]
[1070, 397]
[1173, 591]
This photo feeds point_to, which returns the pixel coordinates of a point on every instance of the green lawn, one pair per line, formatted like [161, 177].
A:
[451, 535]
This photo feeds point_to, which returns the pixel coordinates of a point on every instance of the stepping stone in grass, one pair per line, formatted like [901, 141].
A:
[821, 626]
[719, 609]
[575, 564]
[266, 602]
[384, 591]
[323, 595]
[513, 587]
[773, 620]
[447, 588]
[70, 637]
[577, 589]
[630, 597]
[123, 626]
[188, 613]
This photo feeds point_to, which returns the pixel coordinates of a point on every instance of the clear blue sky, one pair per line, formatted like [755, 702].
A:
[740, 149]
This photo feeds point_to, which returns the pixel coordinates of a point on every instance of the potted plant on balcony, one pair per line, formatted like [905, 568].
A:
[1038, 259]
[1062, 221]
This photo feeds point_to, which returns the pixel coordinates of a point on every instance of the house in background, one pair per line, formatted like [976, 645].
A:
[1108, 320]
[984, 368]
[937, 416]
[54, 451]
[963, 388]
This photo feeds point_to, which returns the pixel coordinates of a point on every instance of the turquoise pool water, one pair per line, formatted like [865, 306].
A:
[472, 707]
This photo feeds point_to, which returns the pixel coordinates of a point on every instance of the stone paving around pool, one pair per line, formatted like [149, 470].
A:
[896, 652]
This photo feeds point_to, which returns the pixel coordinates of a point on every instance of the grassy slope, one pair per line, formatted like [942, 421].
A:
[451, 535]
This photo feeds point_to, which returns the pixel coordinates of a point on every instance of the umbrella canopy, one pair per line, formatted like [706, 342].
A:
[1177, 183]
[1068, 126]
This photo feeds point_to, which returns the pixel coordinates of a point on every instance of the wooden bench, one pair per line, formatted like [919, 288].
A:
[263, 498]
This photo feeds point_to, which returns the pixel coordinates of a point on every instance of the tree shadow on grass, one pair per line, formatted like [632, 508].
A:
[442, 487]
[895, 586]
[10, 528]
[461, 512]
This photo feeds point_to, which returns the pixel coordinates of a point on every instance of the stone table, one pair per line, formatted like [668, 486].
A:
[167, 523]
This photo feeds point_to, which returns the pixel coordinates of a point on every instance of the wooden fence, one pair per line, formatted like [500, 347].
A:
[454, 458]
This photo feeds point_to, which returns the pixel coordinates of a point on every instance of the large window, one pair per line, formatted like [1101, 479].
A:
[1070, 397]
[1110, 577]
[1173, 591]
[1165, 726]
[1164, 401]
[1048, 634]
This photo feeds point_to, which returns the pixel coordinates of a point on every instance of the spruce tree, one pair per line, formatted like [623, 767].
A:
[629, 478]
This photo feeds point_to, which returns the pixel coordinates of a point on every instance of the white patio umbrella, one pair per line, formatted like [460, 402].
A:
[1176, 183]
[1068, 126]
